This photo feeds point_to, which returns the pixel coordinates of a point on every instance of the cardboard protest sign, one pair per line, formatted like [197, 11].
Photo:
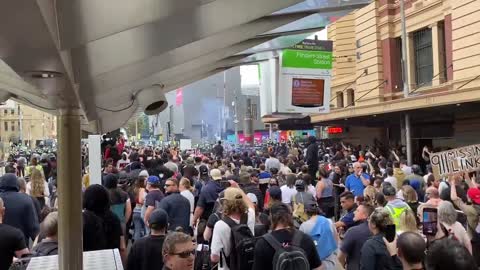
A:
[463, 159]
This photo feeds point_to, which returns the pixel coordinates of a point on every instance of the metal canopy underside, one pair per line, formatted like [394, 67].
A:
[90, 54]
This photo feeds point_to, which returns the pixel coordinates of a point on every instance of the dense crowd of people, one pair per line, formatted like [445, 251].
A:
[318, 205]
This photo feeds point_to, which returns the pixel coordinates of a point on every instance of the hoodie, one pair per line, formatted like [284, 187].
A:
[20, 211]
[400, 175]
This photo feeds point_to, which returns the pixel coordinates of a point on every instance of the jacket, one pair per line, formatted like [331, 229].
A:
[400, 175]
[375, 256]
[312, 155]
[21, 212]
[253, 188]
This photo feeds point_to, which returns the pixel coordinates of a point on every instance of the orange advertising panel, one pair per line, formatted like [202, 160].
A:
[307, 92]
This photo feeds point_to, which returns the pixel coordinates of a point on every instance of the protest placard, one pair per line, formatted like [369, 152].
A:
[463, 159]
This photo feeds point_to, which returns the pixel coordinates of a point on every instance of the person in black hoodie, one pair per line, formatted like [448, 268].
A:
[248, 186]
[21, 213]
[374, 253]
[311, 157]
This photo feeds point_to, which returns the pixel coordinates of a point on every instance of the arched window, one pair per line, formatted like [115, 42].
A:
[350, 97]
[340, 99]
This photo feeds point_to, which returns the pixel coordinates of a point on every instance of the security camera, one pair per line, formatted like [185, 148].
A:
[152, 99]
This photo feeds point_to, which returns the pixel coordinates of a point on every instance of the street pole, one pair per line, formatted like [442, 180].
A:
[235, 104]
[136, 130]
[406, 90]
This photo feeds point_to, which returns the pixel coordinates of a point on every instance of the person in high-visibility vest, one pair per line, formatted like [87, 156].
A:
[395, 207]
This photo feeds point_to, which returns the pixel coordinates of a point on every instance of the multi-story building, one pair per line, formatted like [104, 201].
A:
[19, 122]
[443, 71]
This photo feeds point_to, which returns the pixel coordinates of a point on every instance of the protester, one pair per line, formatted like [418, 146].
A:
[274, 195]
[144, 254]
[186, 190]
[472, 211]
[347, 201]
[357, 181]
[12, 242]
[139, 193]
[300, 201]
[272, 162]
[207, 199]
[153, 198]
[248, 185]
[374, 253]
[410, 248]
[324, 193]
[450, 227]
[178, 252]
[21, 213]
[119, 201]
[355, 237]
[177, 207]
[238, 210]
[289, 190]
[49, 228]
[311, 156]
[390, 177]
[101, 227]
[448, 254]
[284, 237]
[323, 232]
[398, 174]
[395, 207]
[37, 187]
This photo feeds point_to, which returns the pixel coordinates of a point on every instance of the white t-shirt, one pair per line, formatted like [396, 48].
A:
[287, 194]
[392, 180]
[311, 189]
[191, 199]
[221, 237]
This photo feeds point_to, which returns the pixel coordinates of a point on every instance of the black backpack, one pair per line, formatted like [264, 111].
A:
[291, 257]
[243, 245]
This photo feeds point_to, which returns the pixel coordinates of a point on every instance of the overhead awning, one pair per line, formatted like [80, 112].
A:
[98, 56]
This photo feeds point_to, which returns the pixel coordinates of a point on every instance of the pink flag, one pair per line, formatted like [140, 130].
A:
[179, 97]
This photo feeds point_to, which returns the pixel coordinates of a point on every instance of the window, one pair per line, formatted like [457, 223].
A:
[442, 52]
[254, 111]
[422, 46]
[5, 112]
[5, 125]
[12, 124]
[350, 98]
[13, 111]
[398, 76]
[340, 100]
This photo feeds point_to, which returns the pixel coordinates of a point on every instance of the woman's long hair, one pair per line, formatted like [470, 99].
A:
[38, 183]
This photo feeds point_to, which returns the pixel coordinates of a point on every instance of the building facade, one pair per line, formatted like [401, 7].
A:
[19, 122]
[443, 73]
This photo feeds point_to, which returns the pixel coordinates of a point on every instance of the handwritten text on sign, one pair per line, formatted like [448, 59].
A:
[464, 159]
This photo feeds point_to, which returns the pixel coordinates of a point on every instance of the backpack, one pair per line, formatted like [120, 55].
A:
[290, 257]
[243, 245]
[323, 237]
[299, 214]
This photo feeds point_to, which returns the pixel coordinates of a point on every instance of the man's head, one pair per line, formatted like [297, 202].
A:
[171, 185]
[448, 253]
[153, 182]
[233, 202]
[244, 179]
[347, 200]
[280, 214]
[178, 251]
[158, 221]
[432, 193]
[389, 172]
[219, 142]
[389, 192]
[362, 212]
[396, 165]
[216, 174]
[411, 248]
[358, 168]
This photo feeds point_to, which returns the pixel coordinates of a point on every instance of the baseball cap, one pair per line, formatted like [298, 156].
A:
[190, 161]
[389, 190]
[474, 195]
[252, 198]
[203, 170]
[158, 217]
[153, 179]
[311, 206]
[275, 193]
[232, 194]
[216, 174]
[143, 173]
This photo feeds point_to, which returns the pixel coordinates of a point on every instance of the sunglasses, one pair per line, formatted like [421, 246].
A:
[185, 254]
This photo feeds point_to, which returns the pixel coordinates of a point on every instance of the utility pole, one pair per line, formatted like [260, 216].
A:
[406, 90]
[235, 121]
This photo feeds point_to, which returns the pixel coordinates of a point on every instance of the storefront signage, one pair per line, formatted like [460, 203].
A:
[464, 159]
[335, 130]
